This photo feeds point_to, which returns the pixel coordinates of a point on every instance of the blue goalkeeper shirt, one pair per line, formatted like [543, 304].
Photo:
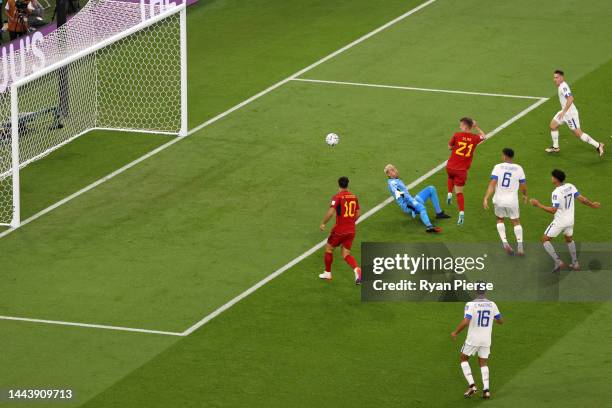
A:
[402, 196]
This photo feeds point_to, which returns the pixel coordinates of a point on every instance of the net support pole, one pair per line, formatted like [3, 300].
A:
[15, 156]
[183, 40]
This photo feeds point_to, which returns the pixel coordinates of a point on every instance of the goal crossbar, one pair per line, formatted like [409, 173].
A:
[55, 82]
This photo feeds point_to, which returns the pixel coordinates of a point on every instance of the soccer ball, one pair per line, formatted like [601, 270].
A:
[332, 139]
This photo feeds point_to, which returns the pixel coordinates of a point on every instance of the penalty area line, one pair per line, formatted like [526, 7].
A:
[90, 325]
[364, 217]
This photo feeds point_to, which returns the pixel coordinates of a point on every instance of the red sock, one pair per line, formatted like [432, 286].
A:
[329, 257]
[351, 261]
[450, 185]
[460, 201]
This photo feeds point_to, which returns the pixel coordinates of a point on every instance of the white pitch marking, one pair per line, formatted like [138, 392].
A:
[216, 118]
[411, 88]
[365, 216]
[89, 325]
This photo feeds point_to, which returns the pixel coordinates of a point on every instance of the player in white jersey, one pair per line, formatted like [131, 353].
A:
[563, 200]
[478, 318]
[507, 179]
[568, 115]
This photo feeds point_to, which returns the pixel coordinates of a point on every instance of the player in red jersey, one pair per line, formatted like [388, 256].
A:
[346, 208]
[462, 145]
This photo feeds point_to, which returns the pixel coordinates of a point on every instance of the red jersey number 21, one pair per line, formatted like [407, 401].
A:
[461, 150]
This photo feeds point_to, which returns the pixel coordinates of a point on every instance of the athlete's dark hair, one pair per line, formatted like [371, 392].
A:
[559, 175]
[343, 182]
[508, 152]
[481, 289]
[558, 71]
[467, 121]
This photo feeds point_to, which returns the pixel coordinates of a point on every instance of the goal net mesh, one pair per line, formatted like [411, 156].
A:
[131, 83]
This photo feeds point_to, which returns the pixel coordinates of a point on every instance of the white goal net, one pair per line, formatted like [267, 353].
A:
[115, 65]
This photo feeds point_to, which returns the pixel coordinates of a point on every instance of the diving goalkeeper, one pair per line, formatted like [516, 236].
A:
[414, 205]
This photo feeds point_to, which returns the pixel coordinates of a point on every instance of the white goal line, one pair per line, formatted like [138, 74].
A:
[412, 88]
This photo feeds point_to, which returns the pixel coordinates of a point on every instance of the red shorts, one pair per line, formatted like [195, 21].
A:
[346, 239]
[458, 177]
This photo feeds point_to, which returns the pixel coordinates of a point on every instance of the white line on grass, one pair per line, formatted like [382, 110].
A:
[364, 217]
[410, 88]
[218, 117]
[93, 326]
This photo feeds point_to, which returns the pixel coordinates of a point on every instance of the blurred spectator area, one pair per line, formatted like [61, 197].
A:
[43, 14]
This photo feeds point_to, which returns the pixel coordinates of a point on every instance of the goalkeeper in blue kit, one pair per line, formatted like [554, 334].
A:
[414, 205]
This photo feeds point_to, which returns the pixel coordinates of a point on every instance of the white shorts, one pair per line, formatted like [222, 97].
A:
[571, 119]
[506, 212]
[469, 350]
[554, 229]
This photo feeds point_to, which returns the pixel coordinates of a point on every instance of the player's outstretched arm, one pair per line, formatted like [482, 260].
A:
[490, 190]
[460, 328]
[587, 202]
[536, 203]
[500, 320]
[328, 215]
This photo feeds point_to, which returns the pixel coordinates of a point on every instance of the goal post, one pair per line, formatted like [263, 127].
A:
[116, 65]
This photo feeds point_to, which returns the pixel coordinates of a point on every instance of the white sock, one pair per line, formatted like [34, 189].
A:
[485, 377]
[588, 139]
[548, 246]
[467, 372]
[555, 138]
[572, 249]
[518, 233]
[501, 230]
[449, 195]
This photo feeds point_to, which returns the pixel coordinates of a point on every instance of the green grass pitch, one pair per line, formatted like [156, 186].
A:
[172, 239]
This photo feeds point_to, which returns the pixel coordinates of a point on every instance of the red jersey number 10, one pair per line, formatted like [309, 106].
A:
[349, 208]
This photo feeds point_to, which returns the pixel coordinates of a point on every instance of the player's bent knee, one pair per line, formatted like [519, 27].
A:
[545, 238]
